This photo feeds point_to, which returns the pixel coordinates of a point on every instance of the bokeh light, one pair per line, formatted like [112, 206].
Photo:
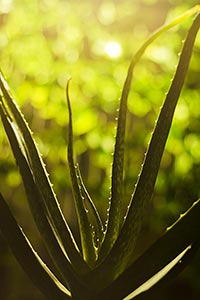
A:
[113, 49]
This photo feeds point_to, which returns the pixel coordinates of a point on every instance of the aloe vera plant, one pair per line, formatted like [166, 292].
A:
[103, 268]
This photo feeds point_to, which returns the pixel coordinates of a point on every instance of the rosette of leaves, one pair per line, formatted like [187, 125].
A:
[103, 268]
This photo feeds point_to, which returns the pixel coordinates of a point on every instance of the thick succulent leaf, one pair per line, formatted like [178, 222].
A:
[147, 178]
[121, 254]
[114, 217]
[166, 275]
[32, 264]
[92, 210]
[43, 183]
[38, 211]
[84, 226]
[115, 201]
[162, 29]
[183, 233]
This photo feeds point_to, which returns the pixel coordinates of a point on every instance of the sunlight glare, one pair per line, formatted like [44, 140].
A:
[5, 6]
[113, 49]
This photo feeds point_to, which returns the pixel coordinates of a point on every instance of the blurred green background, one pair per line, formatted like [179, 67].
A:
[44, 42]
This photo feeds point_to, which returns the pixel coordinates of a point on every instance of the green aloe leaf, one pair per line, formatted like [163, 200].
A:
[37, 208]
[185, 231]
[85, 228]
[121, 254]
[32, 264]
[114, 217]
[147, 178]
[43, 182]
[166, 275]
[115, 209]
[92, 210]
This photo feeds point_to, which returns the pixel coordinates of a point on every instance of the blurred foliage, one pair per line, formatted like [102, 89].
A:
[42, 43]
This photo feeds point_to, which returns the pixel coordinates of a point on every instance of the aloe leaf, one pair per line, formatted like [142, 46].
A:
[166, 275]
[43, 182]
[162, 29]
[183, 233]
[85, 228]
[48, 234]
[146, 180]
[32, 264]
[121, 254]
[90, 206]
[114, 216]
[115, 209]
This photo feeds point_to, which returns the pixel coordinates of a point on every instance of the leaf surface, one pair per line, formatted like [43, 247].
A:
[185, 232]
[121, 253]
[32, 264]
[114, 217]
[84, 226]
[43, 182]
[38, 211]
